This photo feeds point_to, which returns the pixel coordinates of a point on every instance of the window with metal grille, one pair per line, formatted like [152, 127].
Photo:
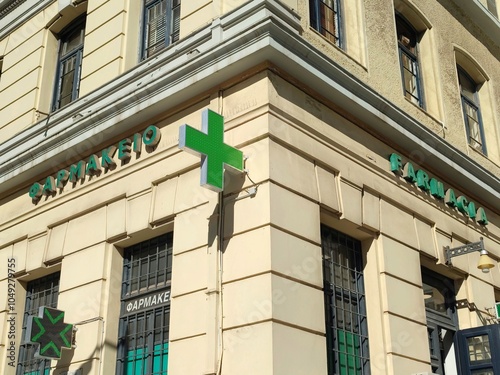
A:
[471, 110]
[325, 18]
[145, 308]
[345, 306]
[39, 292]
[70, 64]
[161, 25]
[408, 59]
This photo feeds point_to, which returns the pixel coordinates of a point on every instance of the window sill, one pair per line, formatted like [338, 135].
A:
[438, 123]
[478, 152]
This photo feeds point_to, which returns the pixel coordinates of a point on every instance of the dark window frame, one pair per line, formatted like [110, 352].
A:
[474, 105]
[315, 13]
[64, 57]
[47, 288]
[465, 365]
[172, 26]
[413, 57]
[142, 342]
[346, 330]
[440, 322]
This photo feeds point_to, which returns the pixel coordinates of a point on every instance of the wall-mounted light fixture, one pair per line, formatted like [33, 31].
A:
[485, 262]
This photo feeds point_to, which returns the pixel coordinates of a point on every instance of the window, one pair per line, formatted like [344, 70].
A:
[1, 66]
[408, 59]
[479, 350]
[145, 308]
[161, 25]
[40, 292]
[325, 18]
[345, 310]
[69, 65]
[471, 110]
[440, 308]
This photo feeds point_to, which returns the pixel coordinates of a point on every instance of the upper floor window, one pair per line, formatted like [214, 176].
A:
[325, 18]
[161, 25]
[408, 59]
[471, 110]
[69, 66]
[345, 304]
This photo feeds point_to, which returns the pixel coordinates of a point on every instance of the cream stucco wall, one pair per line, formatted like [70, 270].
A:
[313, 163]
[112, 44]
[271, 281]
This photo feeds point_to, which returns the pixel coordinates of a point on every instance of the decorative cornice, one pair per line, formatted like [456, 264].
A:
[8, 6]
[18, 12]
[259, 31]
[482, 17]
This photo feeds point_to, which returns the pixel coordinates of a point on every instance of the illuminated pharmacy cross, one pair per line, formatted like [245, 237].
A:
[215, 154]
[49, 330]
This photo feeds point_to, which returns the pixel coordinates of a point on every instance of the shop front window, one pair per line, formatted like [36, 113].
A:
[39, 292]
[143, 342]
[345, 306]
[440, 306]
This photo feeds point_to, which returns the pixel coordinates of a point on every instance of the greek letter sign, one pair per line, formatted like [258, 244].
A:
[95, 165]
[152, 300]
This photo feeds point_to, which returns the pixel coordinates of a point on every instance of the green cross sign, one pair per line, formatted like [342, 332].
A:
[50, 332]
[215, 154]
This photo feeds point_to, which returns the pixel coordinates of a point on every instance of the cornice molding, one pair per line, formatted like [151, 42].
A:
[260, 31]
[482, 17]
[18, 13]
[8, 6]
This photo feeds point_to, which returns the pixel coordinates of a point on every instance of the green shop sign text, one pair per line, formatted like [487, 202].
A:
[436, 189]
[95, 164]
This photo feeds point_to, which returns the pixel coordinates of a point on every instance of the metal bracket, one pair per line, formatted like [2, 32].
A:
[464, 249]
[462, 303]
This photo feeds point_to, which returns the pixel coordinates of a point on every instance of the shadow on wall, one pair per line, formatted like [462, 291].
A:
[233, 183]
[63, 365]
[461, 17]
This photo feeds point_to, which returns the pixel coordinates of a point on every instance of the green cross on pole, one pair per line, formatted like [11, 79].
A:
[215, 154]
[50, 332]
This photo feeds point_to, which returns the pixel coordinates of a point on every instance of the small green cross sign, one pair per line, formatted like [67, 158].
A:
[215, 154]
[50, 332]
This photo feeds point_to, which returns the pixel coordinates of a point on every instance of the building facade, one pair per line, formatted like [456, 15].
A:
[370, 135]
